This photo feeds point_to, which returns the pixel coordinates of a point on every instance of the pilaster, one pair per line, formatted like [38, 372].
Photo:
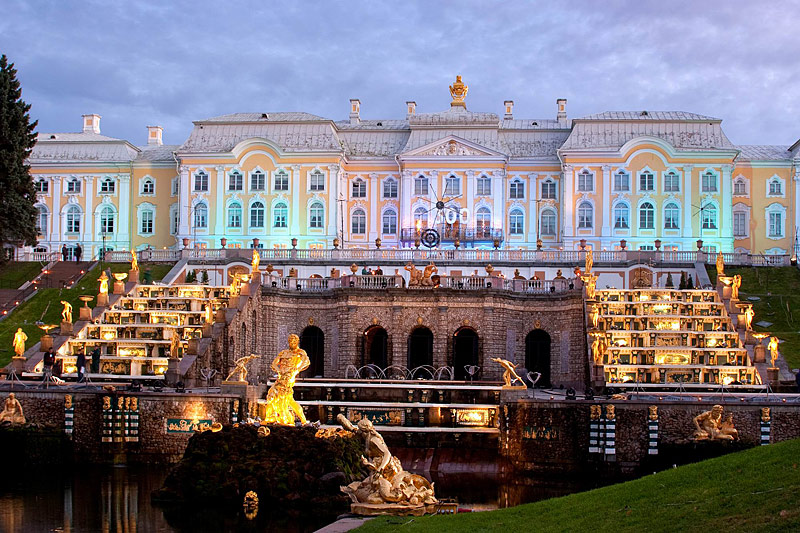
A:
[185, 210]
[726, 209]
[568, 201]
[124, 235]
[606, 204]
[294, 202]
[499, 218]
[333, 195]
[687, 203]
[88, 226]
[374, 208]
[219, 203]
[406, 186]
[55, 236]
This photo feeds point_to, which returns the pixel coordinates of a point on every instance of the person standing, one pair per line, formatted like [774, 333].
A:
[96, 360]
[48, 361]
[64, 252]
[78, 253]
[81, 364]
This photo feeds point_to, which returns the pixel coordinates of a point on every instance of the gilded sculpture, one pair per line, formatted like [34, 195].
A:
[594, 315]
[66, 313]
[510, 375]
[418, 278]
[765, 415]
[12, 411]
[653, 412]
[749, 314]
[594, 412]
[709, 425]
[134, 261]
[388, 489]
[256, 261]
[175, 344]
[773, 351]
[458, 91]
[281, 405]
[736, 282]
[240, 368]
[589, 261]
[720, 265]
[19, 342]
[590, 282]
[235, 285]
[598, 349]
[611, 413]
[208, 315]
[103, 279]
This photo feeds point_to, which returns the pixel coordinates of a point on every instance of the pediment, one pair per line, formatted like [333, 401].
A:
[452, 146]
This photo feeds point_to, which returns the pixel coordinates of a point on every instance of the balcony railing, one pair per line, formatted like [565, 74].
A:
[449, 233]
[465, 283]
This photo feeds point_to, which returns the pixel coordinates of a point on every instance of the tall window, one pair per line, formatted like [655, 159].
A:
[281, 181]
[257, 215]
[316, 181]
[74, 186]
[41, 219]
[622, 181]
[200, 181]
[775, 224]
[709, 218]
[280, 215]
[672, 216]
[390, 188]
[174, 220]
[452, 185]
[73, 219]
[740, 187]
[421, 216]
[235, 181]
[646, 181]
[646, 216]
[585, 215]
[421, 186]
[359, 222]
[548, 225]
[258, 181]
[148, 186]
[107, 220]
[483, 222]
[517, 190]
[484, 185]
[316, 214]
[389, 226]
[201, 215]
[41, 186]
[516, 222]
[672, 182]
[740, 224]
[548, 190]
[146, 222]
[359, 188]
[585, 181]
[709, 182]
[775, 188]
[235, 215]
[107, 186]
[621, 216]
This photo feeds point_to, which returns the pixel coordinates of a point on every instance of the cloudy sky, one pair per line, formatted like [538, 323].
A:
[166, 62]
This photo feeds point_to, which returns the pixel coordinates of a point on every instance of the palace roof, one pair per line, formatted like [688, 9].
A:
[80, 147]
[764, 152]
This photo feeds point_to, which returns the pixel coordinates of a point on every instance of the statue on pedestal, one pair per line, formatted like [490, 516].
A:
[590, 282]
[594, 315]
[175, 344]
[281, 405]
[134, 261]
[720, 265]
[749, 314]
[773, 351]
[66, 314]
[240, 368]
[510, 375]
[735, 284]
[256, 261]
[19, 342]
[710, 426]
[103, 279]
[589, 261]
[12, 411]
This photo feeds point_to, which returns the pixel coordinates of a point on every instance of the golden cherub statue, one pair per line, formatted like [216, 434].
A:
[256, 261]
[589, 261]
[458, 91]
[19, 342]
[749, 314]
[281, 405]
[134, 261]
[240, 368]
[103, 279]
[773, 351]
[710, 426]
[720, 265]
[510, 375]
[12, 411]
[735, 284]
[66, 314]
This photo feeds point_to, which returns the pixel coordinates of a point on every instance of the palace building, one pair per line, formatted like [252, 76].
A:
[613, 180]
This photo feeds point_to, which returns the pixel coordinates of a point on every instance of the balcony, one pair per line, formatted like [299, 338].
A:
[451, 232]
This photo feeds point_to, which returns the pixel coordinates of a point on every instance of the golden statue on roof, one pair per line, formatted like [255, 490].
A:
[458, 91]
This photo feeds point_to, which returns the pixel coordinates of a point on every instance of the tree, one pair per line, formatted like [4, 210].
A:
[670, 283]
[682, 283]
[17, 138]
[689, 282]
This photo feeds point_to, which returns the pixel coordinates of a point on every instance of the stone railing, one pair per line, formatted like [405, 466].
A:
[466, 283]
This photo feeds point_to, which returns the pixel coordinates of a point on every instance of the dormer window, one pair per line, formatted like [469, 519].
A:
[73, 186]
[107, 186]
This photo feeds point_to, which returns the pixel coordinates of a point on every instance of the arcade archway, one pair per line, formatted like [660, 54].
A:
[312, 340]
[420, 348]
[375, 347]
[537, 355]
[465, 352]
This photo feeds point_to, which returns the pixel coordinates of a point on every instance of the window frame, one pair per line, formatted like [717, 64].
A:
[316, 181]
[550, 184]
[707, 223]
[258, 180]
[668, 217]
[233, 215]
[358, 188]
[544, 226]
[108, 186]
[618, 185]
[585, 181]
[707, 180]
[280, 215]
[389, 222]
[72, 221]
[71, 189]
[516, 221]
[646, 180]
[144, 214]
[483, 185]
[669, 174]
[41, 186]
[358, 222]
[452, 185]
[257, 213]
[584, 221]
[516, 189]
[418, 180]
[200, 214]
[622, 216]
[647, 215]
[200, 183]
[389, 188]
[235, 181]
[318, 217]
[280, 180]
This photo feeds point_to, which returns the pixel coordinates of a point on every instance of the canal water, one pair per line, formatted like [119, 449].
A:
[117, 500]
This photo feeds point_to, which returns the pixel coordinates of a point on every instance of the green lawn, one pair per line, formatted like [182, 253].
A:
[750, 491]
[779, 291]
[45, 306]
[13, 274]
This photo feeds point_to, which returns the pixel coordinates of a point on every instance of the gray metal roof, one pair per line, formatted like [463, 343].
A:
[533, 144]
[79, 147]
[647, 115]
[157, 153]
[289, 136]
[764, 152]
[282, 116]
[365, 143]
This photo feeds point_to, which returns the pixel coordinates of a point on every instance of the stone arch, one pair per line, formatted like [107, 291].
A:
[420, 347]
[375, 347]
[537, 355]
[466, 351]
[312, 340]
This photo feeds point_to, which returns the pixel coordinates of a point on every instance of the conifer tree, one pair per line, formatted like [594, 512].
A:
[682, 283]
[670, 283]
[689, 282]
[17, 138]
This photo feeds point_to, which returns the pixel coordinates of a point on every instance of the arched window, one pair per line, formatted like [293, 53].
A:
[452, 185]
[621, 216]
[316, 215]
[484, 185]
[359, 222]
[389, 226]
[200, 181]
[548, 225]
[516, 222]
[672, 216]
[517, 189]
[73, 219]
[107, 219]
[709, 218]
[235, 215]
[257, 215]
[421, 186]
[107, 186]
[483, 222]
[316, 181]
[709, 182]
[740, 187]
[281, 181]
[359, 188]
[258, 181]
[390, 188]
[148, 186]
[41, 186]
[147, 219]
[585, 181]
[280, 215]
[585, 215]
[622, 181]
[646, 216]
[548, 190]
[421, 216]
[41, 219]
[647, 181]
[235, 181]
[174, 219]
[201, 215]
[73, 186]
[672, 182]
[775, 187]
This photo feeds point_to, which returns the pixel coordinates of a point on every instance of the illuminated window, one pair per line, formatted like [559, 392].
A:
[280, 215]
[359, 222]
[257, 215]
[647, 216]
[316, 215]
[421, 216]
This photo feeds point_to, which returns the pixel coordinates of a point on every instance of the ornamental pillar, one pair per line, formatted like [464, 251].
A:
[185, 209]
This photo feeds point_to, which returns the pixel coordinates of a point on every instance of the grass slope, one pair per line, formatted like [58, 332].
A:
[750, 491]
[13, 274]
[45, 306]
[779, 290]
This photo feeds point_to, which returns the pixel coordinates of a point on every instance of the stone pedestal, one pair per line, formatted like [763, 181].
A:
[85, 314]
[173, 374]
[245, 289]
[192, 346]
[220, 315]
[119, 287]
[18, 361]
[760, 354]
[102, 299]
[133, 275]
[207, 329]
[233, 302]
[256, 277]
[773, 375]
[66, 328]
[726, 291]
[46, 343]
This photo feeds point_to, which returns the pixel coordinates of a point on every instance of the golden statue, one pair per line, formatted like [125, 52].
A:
[765, 414]
[281, 405]
[589, 261]
[256, 261]
[415, 275]
[19, 342]
[598, 350]
[103, 279]
[720, 265]
[240, 368]
[388, 489]
[594, 412]
[710, 426]
[653, 412]
[773, 351]
[12, 411]
[749, 314]
[735, 284]
[510, 375]
[209, 314]
[611, 413]
[134, 261]
[458, 91]
[66, 314]
[594, 315]
[235, 285]
[430, 270]
[174, 344]
[590, 282]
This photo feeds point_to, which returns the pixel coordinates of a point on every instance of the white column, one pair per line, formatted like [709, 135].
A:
[294, 203]
[333, 195]
[605, 203]
[796, 208]
[687, 204]
[726, 210]
[533, 211]
[499, 205]
[374, 208]
[568, 202]
[406, 187]
[88, 224]
[219, 204]
[124, 208]
[55, 235]
[433, 189]
[184, 207]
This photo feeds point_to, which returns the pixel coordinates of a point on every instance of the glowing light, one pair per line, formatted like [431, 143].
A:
[472, 417]
[672, 359]
[644, 297]
[710, 343]
[727, 380]
[109, 334]
[662, 308]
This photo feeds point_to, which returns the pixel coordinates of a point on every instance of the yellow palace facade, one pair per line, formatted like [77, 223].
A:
[637, 180]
